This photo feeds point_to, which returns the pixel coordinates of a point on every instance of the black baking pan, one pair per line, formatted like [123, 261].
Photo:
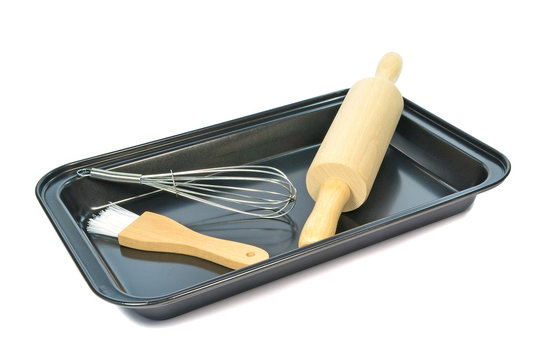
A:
[431, 170]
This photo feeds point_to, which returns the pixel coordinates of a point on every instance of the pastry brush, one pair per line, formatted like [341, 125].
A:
[158, 233]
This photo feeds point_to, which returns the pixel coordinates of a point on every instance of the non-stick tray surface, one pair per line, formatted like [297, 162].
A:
[432, 170]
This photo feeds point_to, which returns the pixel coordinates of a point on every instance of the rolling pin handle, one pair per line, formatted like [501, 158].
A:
[322, 222]
[389, 67]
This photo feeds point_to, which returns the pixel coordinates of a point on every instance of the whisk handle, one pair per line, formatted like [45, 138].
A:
[108, 175]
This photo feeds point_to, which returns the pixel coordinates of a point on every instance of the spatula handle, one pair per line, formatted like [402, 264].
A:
[154, 232]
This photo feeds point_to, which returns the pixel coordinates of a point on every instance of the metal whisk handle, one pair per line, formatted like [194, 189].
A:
[116, 176]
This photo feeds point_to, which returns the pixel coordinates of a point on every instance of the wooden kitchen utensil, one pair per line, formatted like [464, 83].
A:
[345, 166]
[154, 232]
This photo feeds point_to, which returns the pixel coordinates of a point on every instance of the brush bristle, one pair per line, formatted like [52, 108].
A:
[111, 221]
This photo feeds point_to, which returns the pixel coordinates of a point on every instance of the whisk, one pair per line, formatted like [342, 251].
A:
[270, 193]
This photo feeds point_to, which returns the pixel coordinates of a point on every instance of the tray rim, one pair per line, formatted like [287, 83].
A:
[106, 289]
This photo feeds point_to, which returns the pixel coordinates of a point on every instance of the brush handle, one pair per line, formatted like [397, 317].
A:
[154, 232]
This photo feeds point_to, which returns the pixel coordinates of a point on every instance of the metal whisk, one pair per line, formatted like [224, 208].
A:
[270, 194]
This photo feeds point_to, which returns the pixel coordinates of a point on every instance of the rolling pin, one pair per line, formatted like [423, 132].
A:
[345, 166]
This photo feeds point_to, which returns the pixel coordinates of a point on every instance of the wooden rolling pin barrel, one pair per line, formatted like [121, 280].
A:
[347, 162]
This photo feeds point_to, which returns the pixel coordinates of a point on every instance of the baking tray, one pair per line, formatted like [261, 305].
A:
[431, 170]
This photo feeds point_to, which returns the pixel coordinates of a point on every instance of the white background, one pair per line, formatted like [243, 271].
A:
[78, 79]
